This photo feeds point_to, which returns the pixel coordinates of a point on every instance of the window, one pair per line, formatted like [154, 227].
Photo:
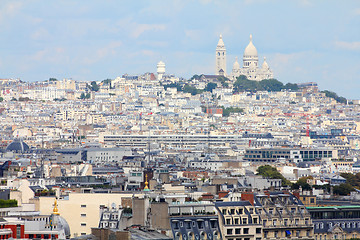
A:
[244, 220]
[258, 230]
[83, 206]
[18, 231]
[236, 221]
[83, 215]
[229, 231]
[228, 221]
[232, 211]
[83, 224]
[246, 230]
[224, 211]
[237, 230]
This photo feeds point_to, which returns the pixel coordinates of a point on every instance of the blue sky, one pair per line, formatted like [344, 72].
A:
[303, 40]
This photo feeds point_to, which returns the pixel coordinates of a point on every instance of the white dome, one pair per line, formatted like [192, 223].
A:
[236, 64]
[265, 64]
[250, 50]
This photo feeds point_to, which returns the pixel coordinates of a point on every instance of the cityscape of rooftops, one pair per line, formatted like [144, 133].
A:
[186, 120]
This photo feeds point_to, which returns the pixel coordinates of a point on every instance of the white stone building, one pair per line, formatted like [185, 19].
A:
[250, 67]
[220, 68]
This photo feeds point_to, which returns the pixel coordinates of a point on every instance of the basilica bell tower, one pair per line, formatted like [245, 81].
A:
[220, 61]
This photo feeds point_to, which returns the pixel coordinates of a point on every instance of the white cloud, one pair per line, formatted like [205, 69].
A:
[135, 29]
[306, 3]
[110, 49]
[53, 55]
[10, 9]
[139, 29]
[356, 11]
[40, 34]
[348, 45]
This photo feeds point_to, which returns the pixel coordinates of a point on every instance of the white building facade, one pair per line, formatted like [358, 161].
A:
[251, 68]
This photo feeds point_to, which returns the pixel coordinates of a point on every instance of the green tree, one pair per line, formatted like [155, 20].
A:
[210, 87]
[227, 111]
[272, 85]
[302, 182]
[243, 84]
[190, 89]
[334, 96]
[1, 99]
[8, 203]
[291, 86]
[52, 79]
[94, 87]
[174, 85]
[196, 77]
[224, 81]
[24, 99]
[343, 189]
[84, 96]
[268, 171]
[352, 179]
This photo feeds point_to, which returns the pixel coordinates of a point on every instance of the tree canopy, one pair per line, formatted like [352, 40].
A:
[227, 111]
[334, 96]
[268, 171]
[210, 87]
[352, 179]
[84, 96]
[302, 182]
[93, 86]
[8, 203]
[343, 189]
[242, 83]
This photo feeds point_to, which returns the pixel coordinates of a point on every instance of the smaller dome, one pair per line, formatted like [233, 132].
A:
[250, 50]
[265, 64]
[62, 224]
[236, 64]
[17, 145]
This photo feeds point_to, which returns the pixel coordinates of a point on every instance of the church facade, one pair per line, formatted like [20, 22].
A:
[251, 68]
